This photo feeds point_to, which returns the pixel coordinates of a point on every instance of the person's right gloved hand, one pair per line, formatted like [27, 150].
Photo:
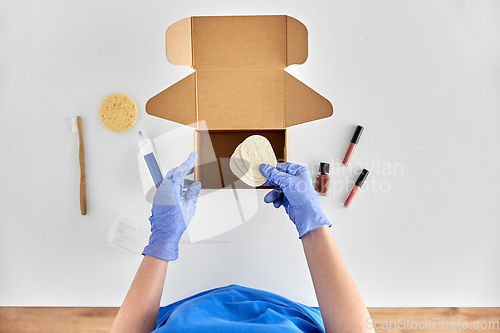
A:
[294, 191]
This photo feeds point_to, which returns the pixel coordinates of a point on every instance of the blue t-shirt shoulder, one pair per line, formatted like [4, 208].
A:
[238, 309]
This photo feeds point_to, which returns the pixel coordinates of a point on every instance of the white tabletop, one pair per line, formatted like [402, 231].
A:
[423, 78]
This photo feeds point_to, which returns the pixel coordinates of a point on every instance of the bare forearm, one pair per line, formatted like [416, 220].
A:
[139, 311]
[341, 305]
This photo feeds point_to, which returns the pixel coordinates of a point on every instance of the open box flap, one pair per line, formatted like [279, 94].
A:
[240, 99]
[179, 46]
[237, 42]
[176, 103]
[302, 104]
[240, 82]
[296, 42]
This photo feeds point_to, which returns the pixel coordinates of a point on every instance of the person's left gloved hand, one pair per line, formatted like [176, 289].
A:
[294, 191]
[173, 209]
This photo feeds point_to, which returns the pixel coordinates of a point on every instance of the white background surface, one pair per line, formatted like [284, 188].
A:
[423, 78]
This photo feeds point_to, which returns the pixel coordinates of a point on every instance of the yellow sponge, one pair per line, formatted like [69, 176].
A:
[118, 112]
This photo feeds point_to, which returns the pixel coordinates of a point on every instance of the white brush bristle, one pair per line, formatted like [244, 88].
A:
[75, 125]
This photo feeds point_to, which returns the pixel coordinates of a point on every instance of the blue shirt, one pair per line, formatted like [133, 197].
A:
[238, 309]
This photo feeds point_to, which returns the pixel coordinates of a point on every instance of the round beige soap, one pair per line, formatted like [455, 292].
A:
[257, 150]
[243, 175]
[248, 156]
[241, 163]
[118, 112]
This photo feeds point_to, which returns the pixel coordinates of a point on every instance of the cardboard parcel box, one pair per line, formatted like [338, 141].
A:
[239, 87]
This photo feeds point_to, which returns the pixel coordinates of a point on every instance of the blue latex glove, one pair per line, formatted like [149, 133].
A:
[295, 192]
[173, 209]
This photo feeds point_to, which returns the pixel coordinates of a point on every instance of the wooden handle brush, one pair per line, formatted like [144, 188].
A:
[77, 128]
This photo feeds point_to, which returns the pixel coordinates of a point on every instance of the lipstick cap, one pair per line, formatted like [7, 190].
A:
[324, 167]
[357, 134]
[362, 177]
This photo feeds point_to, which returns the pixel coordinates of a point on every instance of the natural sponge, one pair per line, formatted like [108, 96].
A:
[248, 156]
[118, 112]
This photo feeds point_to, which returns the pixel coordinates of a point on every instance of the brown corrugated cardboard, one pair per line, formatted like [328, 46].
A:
[239, 87]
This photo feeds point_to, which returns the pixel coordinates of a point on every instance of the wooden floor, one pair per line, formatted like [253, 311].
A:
[97, 320]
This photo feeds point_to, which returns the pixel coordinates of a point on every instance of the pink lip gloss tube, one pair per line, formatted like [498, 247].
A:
[355, 189]
[352, 145]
